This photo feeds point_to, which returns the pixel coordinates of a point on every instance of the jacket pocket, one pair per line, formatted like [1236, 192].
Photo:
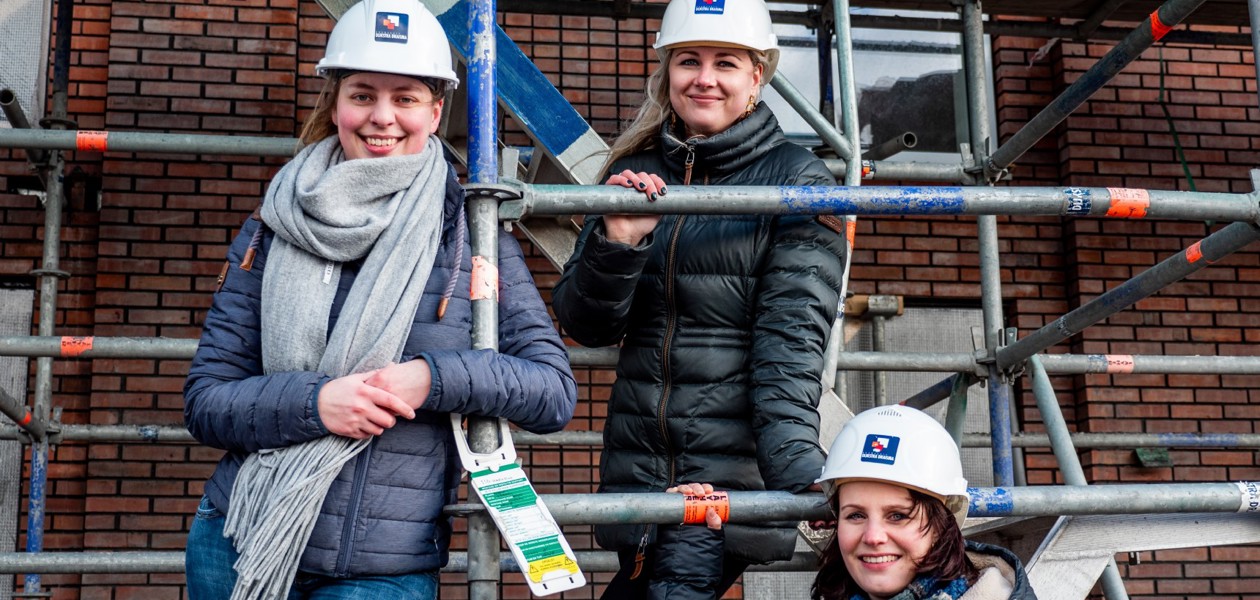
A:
[206, 510]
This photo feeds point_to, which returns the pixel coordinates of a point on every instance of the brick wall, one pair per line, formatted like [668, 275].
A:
[144, 264]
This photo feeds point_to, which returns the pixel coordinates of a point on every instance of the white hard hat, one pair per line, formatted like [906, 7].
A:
[739, 23]
[903, 446]
[389, 36]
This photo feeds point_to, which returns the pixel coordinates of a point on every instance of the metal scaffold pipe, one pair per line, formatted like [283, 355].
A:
[16, 410]
[903, 171]
[1129, 49]
[114, 563]
[824, 128]
[183, 349]
[1253, 9]
[158, 143]
[87, 347]
[938, 391]
[892, 146]
[999, 389]
[1024, 501]
[1119, 499]
[48, 274]
[1199, 255]
[1069, 462]
[1045, 30]
[848, 91]
[551, 199]
[176, 434]
[483, 537]
[17, 119]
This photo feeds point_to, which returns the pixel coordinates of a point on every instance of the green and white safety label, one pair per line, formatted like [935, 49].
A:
[528, 528]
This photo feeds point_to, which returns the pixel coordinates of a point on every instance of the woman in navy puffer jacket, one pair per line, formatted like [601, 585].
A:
[341, 339]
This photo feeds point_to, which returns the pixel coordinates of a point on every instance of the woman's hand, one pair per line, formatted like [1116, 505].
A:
[631, 229]
[350, 407]
[826, 524]
[711, 518]
[409, 381]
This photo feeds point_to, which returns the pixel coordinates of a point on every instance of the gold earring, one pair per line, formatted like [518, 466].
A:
[752, 105]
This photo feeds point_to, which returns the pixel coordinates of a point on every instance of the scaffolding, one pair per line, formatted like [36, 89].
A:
[497, 196]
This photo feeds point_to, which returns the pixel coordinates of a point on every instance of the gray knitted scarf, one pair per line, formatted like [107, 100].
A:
[326, 210]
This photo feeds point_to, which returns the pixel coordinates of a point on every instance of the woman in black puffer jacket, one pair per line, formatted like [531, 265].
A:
[722, 320]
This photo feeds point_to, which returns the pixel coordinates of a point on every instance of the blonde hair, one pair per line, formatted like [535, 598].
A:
[641, 134]
[319, 124]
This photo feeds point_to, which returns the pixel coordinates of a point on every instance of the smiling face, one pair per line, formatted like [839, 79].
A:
[709, 86]
[379, 114]
[882, 536]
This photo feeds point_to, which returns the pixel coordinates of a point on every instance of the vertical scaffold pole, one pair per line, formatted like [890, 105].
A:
[1069, 462]
[986, 229]
[852, 176]
[1253, 6]
[48, 273]
[826, 88]
[848, 91]
[483, 214]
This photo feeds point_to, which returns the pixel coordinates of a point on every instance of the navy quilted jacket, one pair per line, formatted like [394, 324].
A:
[383, 513]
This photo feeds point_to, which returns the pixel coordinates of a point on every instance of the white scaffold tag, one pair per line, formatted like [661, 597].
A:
[531, 533]
[1250, 496]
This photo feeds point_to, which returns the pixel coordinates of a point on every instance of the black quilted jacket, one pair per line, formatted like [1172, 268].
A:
[722, 322]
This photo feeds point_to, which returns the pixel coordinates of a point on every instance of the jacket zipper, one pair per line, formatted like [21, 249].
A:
[672, 318]
[671, 267]
[352, 515]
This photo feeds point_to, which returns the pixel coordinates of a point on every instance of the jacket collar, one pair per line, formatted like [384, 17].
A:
[732, 150]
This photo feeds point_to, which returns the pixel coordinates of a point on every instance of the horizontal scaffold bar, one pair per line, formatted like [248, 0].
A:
[572, 509]
[87, 347]
[173, 562]
[1122, 203]
[886, 170]
[1050, 500]
[161, 143]
[175, 434]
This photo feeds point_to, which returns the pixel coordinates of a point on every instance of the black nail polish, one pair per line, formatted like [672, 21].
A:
[653, 197]
[663, 191]
[642, 185]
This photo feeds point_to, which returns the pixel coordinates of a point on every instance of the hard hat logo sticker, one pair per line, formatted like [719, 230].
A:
[713, 7]
[391, 27]
[880, 449]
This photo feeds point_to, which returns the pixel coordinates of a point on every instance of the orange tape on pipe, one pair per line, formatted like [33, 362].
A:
[91, 141]
[1158, 28]
[695, 507]
[485, 279]
[74, 346]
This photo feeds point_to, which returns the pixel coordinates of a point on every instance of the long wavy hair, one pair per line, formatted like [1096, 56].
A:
[319, 124]
[946, 560]
[641, 134]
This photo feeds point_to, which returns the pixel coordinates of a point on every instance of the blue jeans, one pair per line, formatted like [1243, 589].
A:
[210, 556]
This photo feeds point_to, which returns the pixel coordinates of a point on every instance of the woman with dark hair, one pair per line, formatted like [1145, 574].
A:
[722, 319]
[895, 481]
